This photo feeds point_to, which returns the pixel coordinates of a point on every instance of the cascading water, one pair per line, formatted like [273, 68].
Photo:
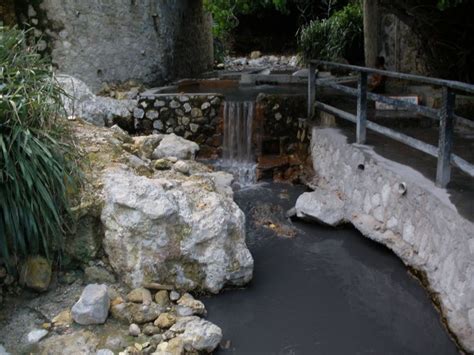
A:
[238, 157]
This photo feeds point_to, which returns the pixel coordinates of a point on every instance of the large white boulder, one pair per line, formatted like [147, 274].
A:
[93, 305]
[185, 232]
[175, 146]
[323, 206]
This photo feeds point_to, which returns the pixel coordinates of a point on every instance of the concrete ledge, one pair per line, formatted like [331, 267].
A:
[400, 208]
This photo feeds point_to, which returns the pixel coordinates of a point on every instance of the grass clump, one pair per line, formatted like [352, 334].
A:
[35, 156]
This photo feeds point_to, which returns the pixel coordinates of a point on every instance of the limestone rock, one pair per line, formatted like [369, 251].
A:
[180, 233]
[162, 298]
[175, 146]
[147, 144]
[136, 313]
[140, 295]
[83, 342]
[36, 335]
[198, 334]
[165, 320]
[322, 206]
[134, 330]
[36, 273]
[196, 306]
[63, 319]
[93, 305]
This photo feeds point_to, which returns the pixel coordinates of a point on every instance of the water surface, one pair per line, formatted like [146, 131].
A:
[324, 291]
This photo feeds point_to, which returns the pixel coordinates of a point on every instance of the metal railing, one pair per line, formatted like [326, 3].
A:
[445, 114]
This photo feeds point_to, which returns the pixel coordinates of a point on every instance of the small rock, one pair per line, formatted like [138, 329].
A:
[162, 164]
[174, 296]
[136, 313]
[155, 340]
[104, 352]
[121, 134]
[162, 299]
[183, 311]
[158, 125]
[140, 295]
[152, 115]
[278, 116]
[93, 305]
[196, 306]
[187, 107]
[159, 103]
[138, 113]
[195, 112]
[194, 127]
[165, 320]
[36, 335]
[151, 330]
[201, 335]
[175, 146]
[183, 98]
[134, 330]
[185, 121]
[205, 106]
[182, 167]
[255, 55]
[36, 273]
[115, 342]
[174, 104]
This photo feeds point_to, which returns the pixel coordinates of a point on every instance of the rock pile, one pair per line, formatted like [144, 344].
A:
[159, 322]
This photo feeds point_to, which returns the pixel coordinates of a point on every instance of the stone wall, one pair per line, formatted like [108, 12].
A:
[194, 117]
[400, 47]
[398, 207]
[282, 137]
[150, 41]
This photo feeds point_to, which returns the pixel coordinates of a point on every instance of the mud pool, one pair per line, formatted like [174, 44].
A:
[318, 290]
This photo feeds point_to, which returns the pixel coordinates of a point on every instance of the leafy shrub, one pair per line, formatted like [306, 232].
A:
[339, 36]
[34, 165]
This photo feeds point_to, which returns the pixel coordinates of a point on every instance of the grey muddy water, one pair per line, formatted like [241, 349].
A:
[318, 290]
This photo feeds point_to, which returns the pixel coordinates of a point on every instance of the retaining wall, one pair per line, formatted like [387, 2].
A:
[400, 208]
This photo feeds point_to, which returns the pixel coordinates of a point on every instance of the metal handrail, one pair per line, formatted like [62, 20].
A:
[445, 115]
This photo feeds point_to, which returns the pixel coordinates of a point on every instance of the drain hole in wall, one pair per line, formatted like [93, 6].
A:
[361, 167]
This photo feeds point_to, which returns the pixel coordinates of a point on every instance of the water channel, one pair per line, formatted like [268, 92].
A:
[322, 291]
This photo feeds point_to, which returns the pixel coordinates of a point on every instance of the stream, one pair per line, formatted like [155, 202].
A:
[318, 290]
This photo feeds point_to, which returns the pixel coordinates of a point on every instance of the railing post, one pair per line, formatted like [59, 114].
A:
[362, 108]
[311, 89]
[446, 126]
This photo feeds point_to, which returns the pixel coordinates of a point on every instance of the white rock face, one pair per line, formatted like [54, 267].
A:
[184, 232]
[93, 305]
[322, 206]
[175, 146]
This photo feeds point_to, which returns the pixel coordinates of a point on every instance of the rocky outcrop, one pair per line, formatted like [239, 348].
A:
[175, 223]
[174, 231]
[79, 101]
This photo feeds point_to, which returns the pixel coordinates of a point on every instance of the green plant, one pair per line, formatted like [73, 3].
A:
[35, 164]
[339, 36]
[225, 12]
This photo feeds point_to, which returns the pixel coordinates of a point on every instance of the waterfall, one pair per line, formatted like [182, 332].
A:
[238, 156]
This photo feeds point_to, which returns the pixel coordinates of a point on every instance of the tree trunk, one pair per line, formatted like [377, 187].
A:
[371, 31]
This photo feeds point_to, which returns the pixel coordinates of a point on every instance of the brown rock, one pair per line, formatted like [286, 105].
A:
[140, 295]
[165, 320]
[36, 273]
